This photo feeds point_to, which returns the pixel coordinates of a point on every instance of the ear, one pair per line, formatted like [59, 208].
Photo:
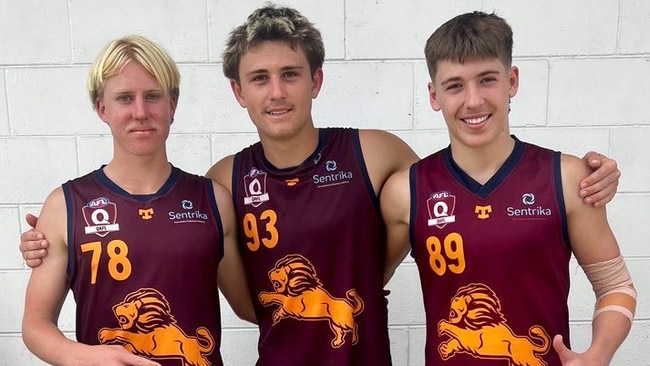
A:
[513, 79]
[236, 90]
[100, 109]
[433, 100]
[173, 103]
[316, 82]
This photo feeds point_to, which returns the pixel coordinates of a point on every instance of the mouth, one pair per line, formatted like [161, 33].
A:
[143, 130]
[476, 120]
[278, 111]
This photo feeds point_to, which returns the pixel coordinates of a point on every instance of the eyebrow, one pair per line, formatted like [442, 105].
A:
[454, 79]
[266, 71]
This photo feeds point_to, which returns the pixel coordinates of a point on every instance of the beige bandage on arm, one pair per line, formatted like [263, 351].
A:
[613, 287]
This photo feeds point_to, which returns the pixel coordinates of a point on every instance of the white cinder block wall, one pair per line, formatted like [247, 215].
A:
[585, 82]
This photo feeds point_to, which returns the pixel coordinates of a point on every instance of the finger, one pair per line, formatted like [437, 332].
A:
[33, 263]
[31, 235]
[560, 348]
[31, 244]
[31, 220]
[594, 159]
[34, 254]
[600, 198]
[140, 361]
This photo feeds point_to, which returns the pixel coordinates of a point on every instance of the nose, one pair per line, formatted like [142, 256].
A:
[473, 96]
[139, 108]
[277, 88]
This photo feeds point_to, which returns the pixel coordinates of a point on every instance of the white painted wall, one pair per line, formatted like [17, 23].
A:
[585, 84]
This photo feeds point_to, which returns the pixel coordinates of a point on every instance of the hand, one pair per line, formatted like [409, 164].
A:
[33, 245]
[600, 186]
[112, 355]
[570, 358]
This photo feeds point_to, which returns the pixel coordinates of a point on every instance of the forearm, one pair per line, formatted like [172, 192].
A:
[609, 330]
[49, 344]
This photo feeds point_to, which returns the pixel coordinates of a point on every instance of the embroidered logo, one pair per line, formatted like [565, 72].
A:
[529, 211]
[190, 214]
[100, 215]
[441, 206]
[332, 177]
[483, 212]
[146, 213]
[255, 187]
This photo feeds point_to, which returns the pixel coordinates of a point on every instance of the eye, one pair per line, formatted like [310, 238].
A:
[488, 79]
[454, 87]
[152, 97]
[290, 74]
[259, 78]
[123, 98]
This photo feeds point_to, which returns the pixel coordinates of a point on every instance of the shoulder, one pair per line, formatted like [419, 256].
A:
[221, 172]
[372, 137]
[56, 199]
[223, 199]
[385, 153]
[573, 169]
[53, 217]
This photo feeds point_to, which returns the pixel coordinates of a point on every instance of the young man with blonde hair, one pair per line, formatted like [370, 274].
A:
[141, 244]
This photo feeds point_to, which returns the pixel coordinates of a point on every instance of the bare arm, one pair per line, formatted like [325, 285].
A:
[231, 275]
[44, 298]
[592, 241]
[395, 207]
[221, 172]
[600, 186]
[384, 154]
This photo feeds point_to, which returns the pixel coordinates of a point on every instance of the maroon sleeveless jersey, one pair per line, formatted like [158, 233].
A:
[143, 269]
[493, 259]
[313, 245]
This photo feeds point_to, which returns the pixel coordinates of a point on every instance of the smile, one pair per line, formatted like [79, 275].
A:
[475, 121]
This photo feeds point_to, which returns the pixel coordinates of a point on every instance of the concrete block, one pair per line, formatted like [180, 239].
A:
[366, 95]
[61, 108]
[179, 27]
[31, 179]
[34, 32]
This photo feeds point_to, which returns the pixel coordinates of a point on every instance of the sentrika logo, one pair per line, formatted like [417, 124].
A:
[334, 177]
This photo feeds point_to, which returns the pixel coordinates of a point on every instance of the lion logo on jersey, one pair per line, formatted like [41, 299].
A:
[477, 327]
[300, 295]
[148, 328]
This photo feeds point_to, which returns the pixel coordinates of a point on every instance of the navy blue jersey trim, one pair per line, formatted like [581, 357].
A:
[235, 179]
[217, 216]
[69, 206]
[484, 190]
[362, 166]
[557, 173]
[166, 187]
[413, 208]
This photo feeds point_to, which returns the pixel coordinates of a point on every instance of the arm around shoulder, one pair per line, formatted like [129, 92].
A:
[221, 172]
[384, 154]
[231, 275]
[395, 210]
